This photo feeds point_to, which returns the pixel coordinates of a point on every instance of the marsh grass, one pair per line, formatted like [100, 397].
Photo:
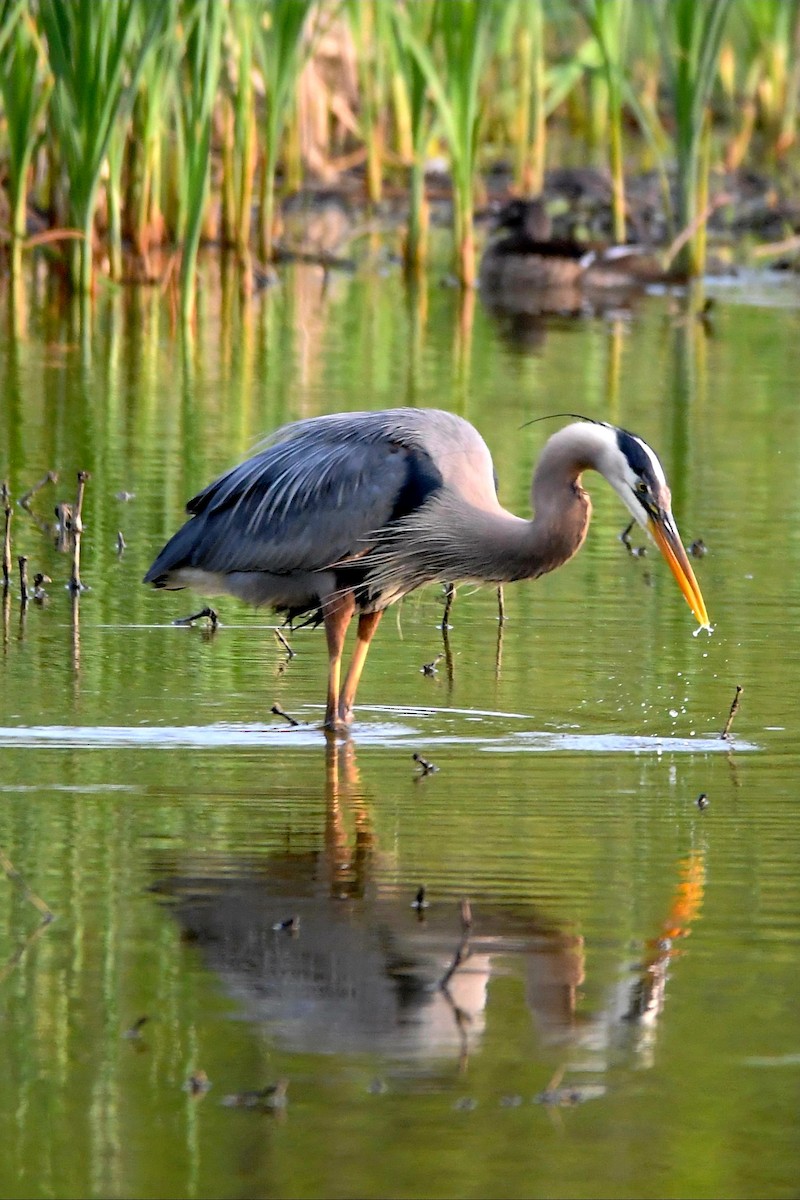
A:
[95, 65]
[416, 21]
[280, 53]
[114, 114]
[25, 87]
[462, 35]
[691, 38]
[608, 21]
[202, 55]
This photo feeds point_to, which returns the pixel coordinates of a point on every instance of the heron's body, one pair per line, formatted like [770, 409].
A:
[347, 513]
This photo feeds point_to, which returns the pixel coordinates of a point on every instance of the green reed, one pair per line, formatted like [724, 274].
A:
[279, 51]
[133, 102]
[463, 33]
[531, 125]
[150, 211]
[96, 64]
[608, 21]
[417, 21]
[761, 75]
[203, 22]
[691, 38]
[369, 21]
[25, 86]
[240, 141]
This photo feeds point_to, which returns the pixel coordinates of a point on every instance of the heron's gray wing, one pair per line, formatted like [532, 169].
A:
[301, 504]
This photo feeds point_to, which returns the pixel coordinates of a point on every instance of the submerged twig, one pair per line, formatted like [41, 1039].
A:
[213, 617]
[77, 522]
[449, 597]
[75, 584]
[266, 1098]
[7, 539]
[732, 713]
[448, 655]
[624, 537]
[463, 949]
[426, 767]
[39, 592]
[23, 579]
[6, 606]
[289, 925]
[16, 958]
[13, 874]
[284, 643]
[279, 712]
[25, 500]
[135, 1030]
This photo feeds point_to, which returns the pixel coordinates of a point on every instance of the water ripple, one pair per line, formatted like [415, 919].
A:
[410, 727]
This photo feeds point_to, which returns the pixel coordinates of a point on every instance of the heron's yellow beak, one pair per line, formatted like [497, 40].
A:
[665, 536]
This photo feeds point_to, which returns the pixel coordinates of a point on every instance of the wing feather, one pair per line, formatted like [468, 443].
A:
[319, 494]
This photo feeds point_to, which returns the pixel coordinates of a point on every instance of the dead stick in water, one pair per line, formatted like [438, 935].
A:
[449, 597]
[13, 874]
[211, 613]
[732, 713]
[284, 643]
[279, 712]
[7, 540]
[23, 579]
[77, 523]
[463, 951]
[75, 584]
[50, 477]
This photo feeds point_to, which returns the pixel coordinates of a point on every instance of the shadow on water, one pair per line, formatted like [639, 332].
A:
[313, 948]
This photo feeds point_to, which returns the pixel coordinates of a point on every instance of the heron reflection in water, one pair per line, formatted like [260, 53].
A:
[347, 513]
[365, 975]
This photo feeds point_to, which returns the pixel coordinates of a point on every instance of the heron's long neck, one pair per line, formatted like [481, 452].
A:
[505, 547]
[510, 548]
[494, 546]
[455, 540]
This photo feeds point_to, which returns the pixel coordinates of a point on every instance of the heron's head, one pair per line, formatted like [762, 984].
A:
[636, 475]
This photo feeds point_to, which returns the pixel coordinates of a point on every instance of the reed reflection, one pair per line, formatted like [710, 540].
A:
[332, 959]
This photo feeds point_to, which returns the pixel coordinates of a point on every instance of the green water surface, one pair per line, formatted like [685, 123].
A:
[620, 1019]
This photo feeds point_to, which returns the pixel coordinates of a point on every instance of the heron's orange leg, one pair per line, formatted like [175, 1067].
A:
[367, 624]
[337, 615]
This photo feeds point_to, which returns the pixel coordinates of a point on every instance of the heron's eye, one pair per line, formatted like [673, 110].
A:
[641, 488]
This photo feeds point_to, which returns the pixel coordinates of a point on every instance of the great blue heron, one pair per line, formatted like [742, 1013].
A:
[349, 512]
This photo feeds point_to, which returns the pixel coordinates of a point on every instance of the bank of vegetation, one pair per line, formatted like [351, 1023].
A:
[131, 130]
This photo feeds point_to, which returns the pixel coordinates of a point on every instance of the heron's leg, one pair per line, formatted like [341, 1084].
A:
[367, 624]
[337, 615]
